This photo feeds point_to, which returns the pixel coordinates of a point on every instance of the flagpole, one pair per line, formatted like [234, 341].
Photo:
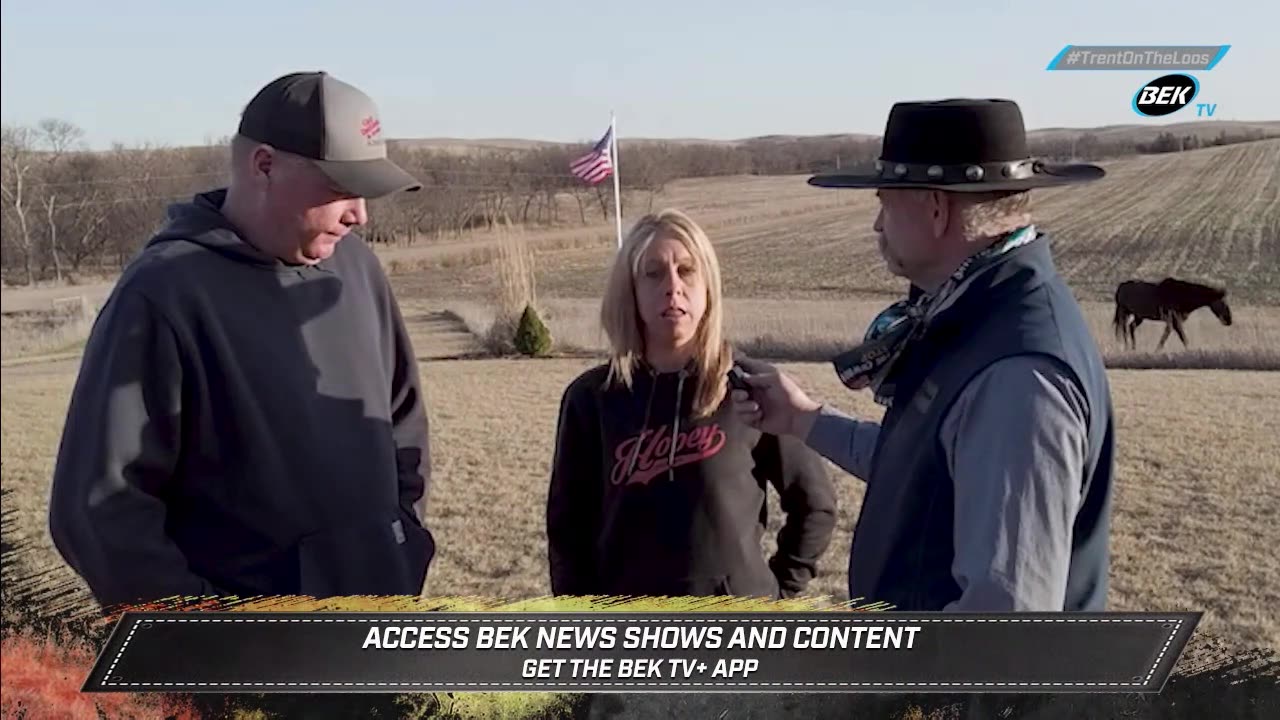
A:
[617, 192]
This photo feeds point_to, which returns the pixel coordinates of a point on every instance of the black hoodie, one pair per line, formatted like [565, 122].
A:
[630, 512]
[244, 426]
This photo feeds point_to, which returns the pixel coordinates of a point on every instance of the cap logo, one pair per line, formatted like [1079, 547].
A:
[370, 127]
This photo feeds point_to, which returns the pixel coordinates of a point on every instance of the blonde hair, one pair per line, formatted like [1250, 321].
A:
[620, 315]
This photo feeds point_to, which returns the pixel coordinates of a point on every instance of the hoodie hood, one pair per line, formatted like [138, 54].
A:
[201, 221]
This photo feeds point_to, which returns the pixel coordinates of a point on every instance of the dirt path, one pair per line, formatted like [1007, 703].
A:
[43, 365]
[435, 334]
[438, 335]
[15, 300]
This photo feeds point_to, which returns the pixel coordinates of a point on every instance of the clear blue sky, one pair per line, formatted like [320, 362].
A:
[179, 73]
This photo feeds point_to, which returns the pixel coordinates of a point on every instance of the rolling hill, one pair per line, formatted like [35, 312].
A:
[1211, 214]
[1205, 130]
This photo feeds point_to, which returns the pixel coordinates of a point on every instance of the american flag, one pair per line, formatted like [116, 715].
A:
[597, 164]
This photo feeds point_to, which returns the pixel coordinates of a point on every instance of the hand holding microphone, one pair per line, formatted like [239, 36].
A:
[772, 402]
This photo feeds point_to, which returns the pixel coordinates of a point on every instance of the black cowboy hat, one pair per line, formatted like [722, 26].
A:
[959, 145]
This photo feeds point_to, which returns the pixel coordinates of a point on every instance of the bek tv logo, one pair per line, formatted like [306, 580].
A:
[1165, 95]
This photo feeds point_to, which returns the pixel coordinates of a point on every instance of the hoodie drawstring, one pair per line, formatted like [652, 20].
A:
[675, 429]
[644, 427]
[675, 432]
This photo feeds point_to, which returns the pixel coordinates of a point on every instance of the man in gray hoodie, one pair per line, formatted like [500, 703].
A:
[248, 417]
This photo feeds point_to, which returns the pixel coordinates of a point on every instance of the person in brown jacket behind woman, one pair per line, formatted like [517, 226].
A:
[657, 488]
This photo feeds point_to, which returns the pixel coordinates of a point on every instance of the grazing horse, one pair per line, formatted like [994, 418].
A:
[1169, 301]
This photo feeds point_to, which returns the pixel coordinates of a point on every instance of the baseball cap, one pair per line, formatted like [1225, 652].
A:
[333, 124]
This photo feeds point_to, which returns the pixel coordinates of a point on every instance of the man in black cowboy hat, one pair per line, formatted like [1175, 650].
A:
[989, 477]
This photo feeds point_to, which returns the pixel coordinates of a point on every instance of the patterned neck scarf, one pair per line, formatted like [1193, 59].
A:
[905, 321]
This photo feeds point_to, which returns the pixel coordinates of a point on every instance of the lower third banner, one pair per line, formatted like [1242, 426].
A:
[640, 652]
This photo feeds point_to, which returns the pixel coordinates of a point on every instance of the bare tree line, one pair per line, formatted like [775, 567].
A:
[68, 212]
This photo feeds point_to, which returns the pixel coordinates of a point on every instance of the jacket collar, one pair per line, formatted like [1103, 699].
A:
[1017, 270]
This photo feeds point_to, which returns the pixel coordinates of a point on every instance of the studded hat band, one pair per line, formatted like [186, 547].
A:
[962, 173]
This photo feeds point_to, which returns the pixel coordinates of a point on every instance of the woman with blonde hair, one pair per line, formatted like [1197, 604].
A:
[657, 488]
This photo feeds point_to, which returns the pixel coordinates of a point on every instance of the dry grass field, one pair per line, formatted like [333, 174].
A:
[1196, 499]
[1199, 454]
[813, 330]
[1211, 215]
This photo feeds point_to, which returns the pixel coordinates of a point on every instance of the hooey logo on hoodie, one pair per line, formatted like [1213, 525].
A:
[692, 445]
